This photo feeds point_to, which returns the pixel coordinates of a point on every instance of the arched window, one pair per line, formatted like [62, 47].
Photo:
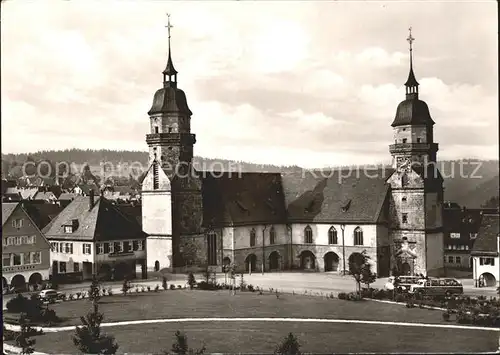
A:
[332, 236]
[212, 248]
[404, 180]
[252, 237]
[358, 236]
[308, 235]
[272, 236]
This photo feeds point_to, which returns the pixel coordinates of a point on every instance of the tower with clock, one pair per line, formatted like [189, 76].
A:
[416, 201]
[172, 207]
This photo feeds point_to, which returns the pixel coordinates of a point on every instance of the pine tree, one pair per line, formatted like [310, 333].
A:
[88, 338]
[23, 339]
[289, 346]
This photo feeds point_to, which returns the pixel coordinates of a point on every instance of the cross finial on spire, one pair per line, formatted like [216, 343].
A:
[410, 38]
[411, 84]
[168, 26]
[169, 71]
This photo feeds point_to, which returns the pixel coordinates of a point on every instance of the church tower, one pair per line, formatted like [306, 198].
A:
[417, 187]
[171, 192]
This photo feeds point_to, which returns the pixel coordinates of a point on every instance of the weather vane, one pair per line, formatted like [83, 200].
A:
[168, 26]
[410, 38]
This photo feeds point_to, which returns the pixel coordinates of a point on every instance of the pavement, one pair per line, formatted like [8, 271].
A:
[287, 282]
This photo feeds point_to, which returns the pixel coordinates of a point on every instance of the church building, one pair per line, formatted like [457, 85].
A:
[306, 220]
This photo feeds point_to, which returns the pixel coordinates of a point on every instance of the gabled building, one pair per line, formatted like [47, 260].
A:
[268, 222]
[25, 252]
[485, 253]
[92, 236]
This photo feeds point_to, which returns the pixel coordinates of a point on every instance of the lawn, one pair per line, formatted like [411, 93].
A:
[258, 337]
[196, 303]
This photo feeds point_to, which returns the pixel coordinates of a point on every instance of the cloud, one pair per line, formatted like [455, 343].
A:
[266, 82]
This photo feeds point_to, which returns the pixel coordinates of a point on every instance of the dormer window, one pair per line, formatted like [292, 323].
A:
[345, 205]
[68, 229]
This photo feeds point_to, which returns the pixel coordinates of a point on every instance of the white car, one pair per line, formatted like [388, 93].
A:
[48, 295]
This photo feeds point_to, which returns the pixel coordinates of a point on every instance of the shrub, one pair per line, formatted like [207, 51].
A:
[172, 287]
[149, 288]
[400, 298]
[179, 287]
[251, 288]
[17, 304]
[78, 295]
[289, 346]
[342, 296]
[354, 296]
[71, 296]
[157, 288]
[164, 283]
[181, 345]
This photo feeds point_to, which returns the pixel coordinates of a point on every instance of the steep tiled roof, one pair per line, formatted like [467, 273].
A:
[132, 211]
[42, 213]
[463, 221]
[7, 209]
[486, 242]
[242, 198]
[336, 196]
[11, 197]
[102, 222]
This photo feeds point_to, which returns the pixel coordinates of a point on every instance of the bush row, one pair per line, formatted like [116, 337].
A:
[464, 309]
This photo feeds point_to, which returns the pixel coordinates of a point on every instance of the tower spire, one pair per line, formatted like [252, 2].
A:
[169, 71]
[411, 84]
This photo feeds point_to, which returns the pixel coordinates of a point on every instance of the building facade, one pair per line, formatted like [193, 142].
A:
[26, 251]
[262, 222]
[485, 253]
[92, 236]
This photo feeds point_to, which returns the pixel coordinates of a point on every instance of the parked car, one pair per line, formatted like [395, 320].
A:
[438, 287]
[402, 283]
[48, 295]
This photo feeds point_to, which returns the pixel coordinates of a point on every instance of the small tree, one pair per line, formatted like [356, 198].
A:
[206, 273]
[180, 347]
[360, 269]
[88, 338]
[191, 280]
[232, 276]
[289, 346]
[23, 339]
[94, 290]
[164, 282]
[125, 287]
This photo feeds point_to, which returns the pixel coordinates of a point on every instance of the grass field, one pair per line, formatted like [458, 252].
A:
[258, 337]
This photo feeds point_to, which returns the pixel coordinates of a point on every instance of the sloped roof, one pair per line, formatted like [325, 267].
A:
[463, 221]
[44, 195]
[7, 209]
[242, 198]
[486, 242]
[12, 197]
[42, 213]
[28, 193]
[102, 222]
[337, 196]
[67, 196]
[132, 211]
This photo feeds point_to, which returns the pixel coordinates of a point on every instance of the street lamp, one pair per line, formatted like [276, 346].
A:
[342, 227]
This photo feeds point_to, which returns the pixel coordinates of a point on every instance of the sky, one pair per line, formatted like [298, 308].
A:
[287, 82]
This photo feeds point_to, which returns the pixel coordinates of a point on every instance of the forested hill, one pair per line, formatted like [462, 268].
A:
[468, 182]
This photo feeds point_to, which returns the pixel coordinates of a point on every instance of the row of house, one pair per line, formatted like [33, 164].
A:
[93, 235]
[43, 241]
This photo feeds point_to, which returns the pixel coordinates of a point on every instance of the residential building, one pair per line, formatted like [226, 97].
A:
[485, 253]
[26, 251]
[92, 236]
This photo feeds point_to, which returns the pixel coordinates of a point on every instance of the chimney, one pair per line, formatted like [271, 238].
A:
[91, 199]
